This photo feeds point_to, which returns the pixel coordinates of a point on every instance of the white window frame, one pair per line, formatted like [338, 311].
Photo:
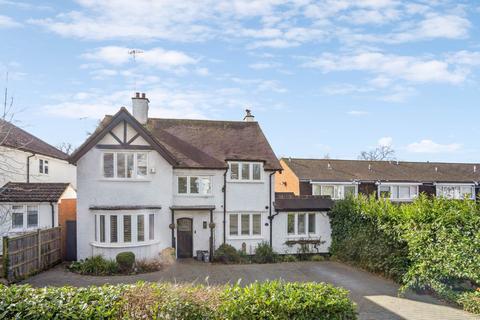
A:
[250, 170]
[440, 192]
[307, 233]
[398, 185]
[43, 164]
[25, 217]
[135, 176]
[120, 228]
[336, 186]
[188, 193]
[250, 235]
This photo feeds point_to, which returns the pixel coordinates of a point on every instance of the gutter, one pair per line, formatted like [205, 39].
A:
[28, 166]
[270, 217]
[225, 206]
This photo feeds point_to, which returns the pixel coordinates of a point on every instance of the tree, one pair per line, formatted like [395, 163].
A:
[380, 153]
[66, 147]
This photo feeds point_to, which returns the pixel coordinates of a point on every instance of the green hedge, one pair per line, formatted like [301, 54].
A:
[431, 244]
[268, 300]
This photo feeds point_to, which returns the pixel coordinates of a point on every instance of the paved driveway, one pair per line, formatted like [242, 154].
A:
[376, 297]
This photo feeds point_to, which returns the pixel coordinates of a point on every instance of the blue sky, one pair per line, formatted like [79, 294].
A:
[322, 77]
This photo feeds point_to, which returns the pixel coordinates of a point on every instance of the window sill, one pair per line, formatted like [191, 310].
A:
[247, 181]
[257, 237]
[124, 180]
[302, 236]
[123, 245]
[193, 195]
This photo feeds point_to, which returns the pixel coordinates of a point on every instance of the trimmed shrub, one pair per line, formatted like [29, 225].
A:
[264, 254]
[317, 258]
[125, 261]
[470, 301]
[289, 258]
[268, 300]
[96, 265]
[431, 244]
[226, 254]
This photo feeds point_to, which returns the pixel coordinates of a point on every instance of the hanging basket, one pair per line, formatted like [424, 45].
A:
[212, 225]
[172, 226]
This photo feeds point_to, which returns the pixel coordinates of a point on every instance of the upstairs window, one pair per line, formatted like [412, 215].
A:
[245, 171]
[336, 192]
[125, 165]
[456, 191]
[43, 166]
[398, 192]
[201, 185]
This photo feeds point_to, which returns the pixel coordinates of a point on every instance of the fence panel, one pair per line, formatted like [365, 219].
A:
[31, 252]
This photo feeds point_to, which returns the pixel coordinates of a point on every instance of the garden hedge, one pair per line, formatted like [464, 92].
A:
[268, 300]
[432, 244]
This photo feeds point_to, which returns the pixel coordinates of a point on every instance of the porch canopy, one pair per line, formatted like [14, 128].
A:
[290, 202]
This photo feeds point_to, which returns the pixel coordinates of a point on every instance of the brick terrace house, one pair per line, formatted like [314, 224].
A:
[397, 180]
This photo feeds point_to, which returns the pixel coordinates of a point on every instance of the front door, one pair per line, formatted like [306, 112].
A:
[184, 238]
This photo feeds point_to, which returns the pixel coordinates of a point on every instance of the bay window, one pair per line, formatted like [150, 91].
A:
[245, 171]
[456, 191]
[301, 224]
[125, 165]
[245, 224]
[128, 228]
[334, 191]
[398, 191]
[199, 185]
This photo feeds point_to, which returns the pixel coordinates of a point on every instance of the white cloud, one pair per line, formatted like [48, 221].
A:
[263, 65]
[464, 57]
[7, 22]
[156, 57]
[407, 68]
[357, 113]
[429, 146]
[385, 142]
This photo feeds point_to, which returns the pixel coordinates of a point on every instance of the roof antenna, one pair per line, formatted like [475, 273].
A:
[134, 53]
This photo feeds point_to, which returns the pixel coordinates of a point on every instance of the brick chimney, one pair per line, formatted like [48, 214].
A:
[140, 107]
[248, 116]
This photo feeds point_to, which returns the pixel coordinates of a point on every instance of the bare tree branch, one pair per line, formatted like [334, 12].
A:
[381, 153]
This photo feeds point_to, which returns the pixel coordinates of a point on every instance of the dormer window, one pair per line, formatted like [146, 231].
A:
[125, 165]
[245, 171]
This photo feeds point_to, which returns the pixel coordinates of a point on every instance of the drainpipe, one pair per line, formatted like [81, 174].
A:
[225, 206]
[28, 166]
[53, 214]
[270, 217]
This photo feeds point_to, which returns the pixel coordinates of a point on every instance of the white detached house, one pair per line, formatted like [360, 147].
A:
[145, 184]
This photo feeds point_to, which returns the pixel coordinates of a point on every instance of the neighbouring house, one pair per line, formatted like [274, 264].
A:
[27, 207]
[26, 158]
[397, 180]
[146, 184]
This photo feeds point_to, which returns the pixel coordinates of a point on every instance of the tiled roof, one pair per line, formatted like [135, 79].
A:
[290, 202]
[203, 143]
[14, 137]
[363, 170]
[32, 192]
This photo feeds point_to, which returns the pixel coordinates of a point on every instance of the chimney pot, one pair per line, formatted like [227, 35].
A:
[248, 115]
[140, 107]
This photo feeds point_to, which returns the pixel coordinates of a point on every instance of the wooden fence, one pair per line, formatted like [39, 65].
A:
[31, 252]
